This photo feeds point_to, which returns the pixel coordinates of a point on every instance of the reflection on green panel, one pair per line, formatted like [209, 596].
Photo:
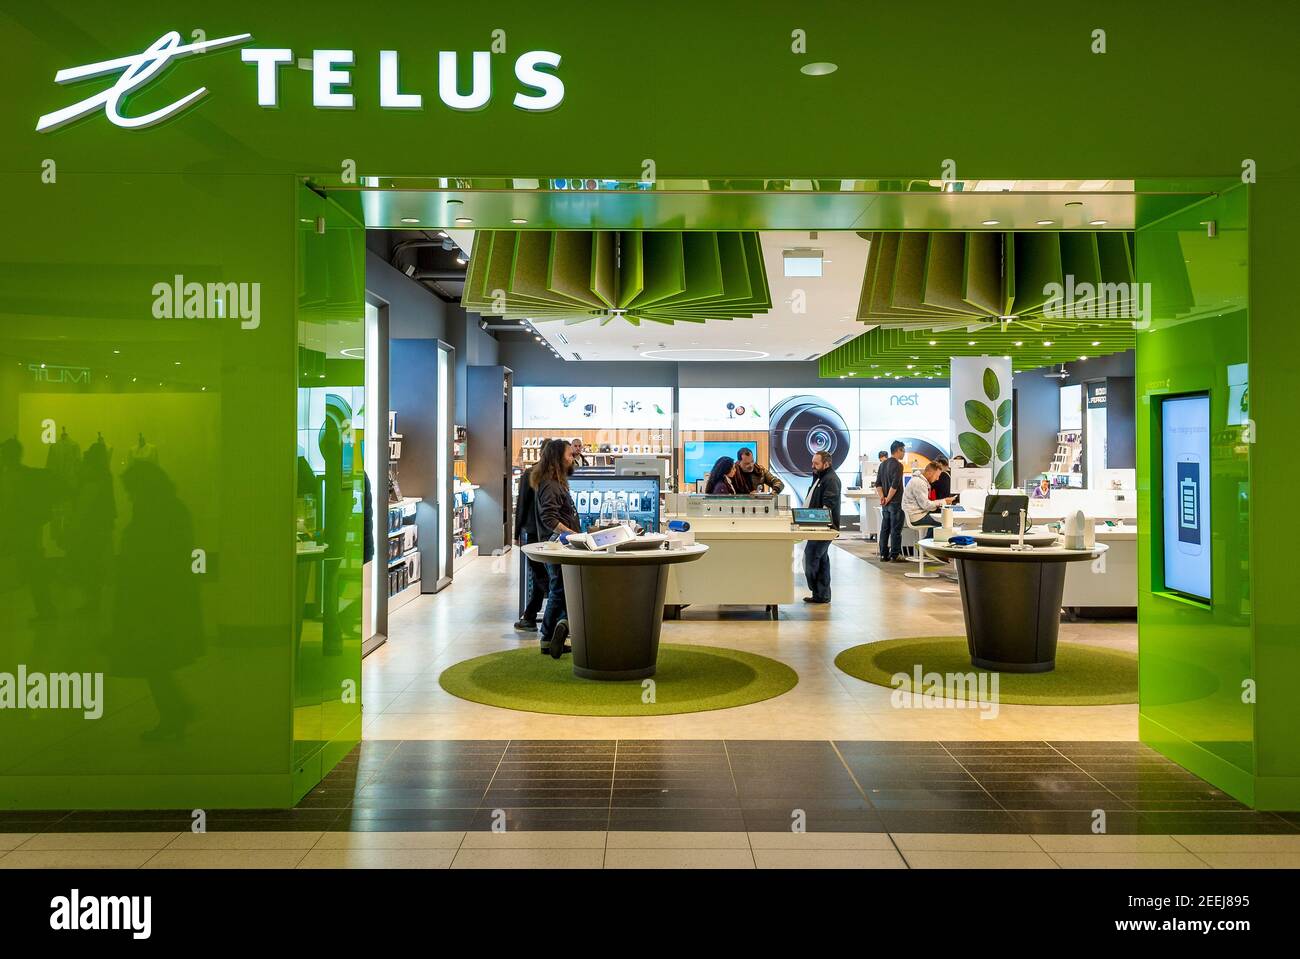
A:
[1195, 659]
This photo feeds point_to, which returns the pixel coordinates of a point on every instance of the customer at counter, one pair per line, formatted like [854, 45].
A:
[538, 580]
[823, 494]
[720, 478]
[917, 504]
[556, 516]
[750, 476]
[941, 488]
[891, 499]
[579, 453]
[880, 464]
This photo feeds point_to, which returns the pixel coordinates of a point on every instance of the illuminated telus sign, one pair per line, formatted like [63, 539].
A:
[331, 76]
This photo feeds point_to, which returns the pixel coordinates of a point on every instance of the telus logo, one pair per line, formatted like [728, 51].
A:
[208, 301]
[102, 913]
[904, 399]
[331, 77]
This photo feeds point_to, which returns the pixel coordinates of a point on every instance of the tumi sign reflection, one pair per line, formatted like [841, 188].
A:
[331, 81]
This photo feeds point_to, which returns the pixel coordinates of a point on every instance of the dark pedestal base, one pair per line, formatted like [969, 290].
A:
[1013, 613]
[615, 614]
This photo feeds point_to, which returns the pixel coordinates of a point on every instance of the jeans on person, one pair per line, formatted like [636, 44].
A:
[817, 567]
[538, 582]
[891, 530]
[555, 610]
[926, 520]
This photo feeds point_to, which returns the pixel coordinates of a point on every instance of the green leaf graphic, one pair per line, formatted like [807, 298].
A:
[1006, 477]
[991, 386]
[1004, 413]
[979, 416]
[975, 447]
[1004, 446]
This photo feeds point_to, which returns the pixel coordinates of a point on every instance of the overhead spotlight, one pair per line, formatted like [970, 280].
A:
[991, 222]
[482, 324]
[463, 219]
[410, 270]
[1096, 342]
[1020, 343]
[410, 219]
[1047, 342]
[1096, 222]
[461, 260]
[1044, 222]
[517, 219]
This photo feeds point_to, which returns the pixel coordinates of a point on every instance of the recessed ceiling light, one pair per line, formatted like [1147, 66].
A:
[517, 219]
[1020, 342]
[934, 342]
[1083, 357]
[1096, 222]
[970, 342]
[992, 222]
[1047, 342]
[410, 219]
[455, 202]
[463, 219]
[910, 366]
[1074, 203]
[818, 69]
[1044, 222]
[461, 260]
[1096, 342]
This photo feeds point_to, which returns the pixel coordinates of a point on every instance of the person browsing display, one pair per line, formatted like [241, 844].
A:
[823, 494]
[890, 478]
[917, 505]
[557, 516]
[941, 487]
[720, 478]
[752, 476]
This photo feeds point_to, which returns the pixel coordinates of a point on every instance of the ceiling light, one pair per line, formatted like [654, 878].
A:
[1083, 357]
[1096, 222]
[463, 219]
[1044, 222]
[934, 342]
[818, 69]
[517, 219]
[1096, 342]
[970, 342]
[802, 262]
[461, 260]
[1047, 342]
[410, 219]
[1074, 203]
[910, 366]
[991, 222]
[1020, 342]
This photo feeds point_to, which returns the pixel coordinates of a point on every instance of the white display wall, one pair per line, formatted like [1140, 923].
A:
[592, 407]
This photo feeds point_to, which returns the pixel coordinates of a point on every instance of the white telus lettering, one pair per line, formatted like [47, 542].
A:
[267, 60]
[551, 86]
[324, 77]
[481, 86]
[390, 97]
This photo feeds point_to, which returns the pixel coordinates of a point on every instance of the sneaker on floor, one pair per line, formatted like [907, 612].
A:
[528, 625]
[814, 599]
[561, 633]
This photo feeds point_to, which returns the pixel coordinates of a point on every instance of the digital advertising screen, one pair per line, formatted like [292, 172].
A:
[698, 456]
[1185, 450]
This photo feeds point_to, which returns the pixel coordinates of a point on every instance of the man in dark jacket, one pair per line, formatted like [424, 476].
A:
[537, 581]
[752, 475]
[891, 503]
[823, 494]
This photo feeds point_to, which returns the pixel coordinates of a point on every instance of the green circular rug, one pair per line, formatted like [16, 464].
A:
[1084, 675]
[689, 679]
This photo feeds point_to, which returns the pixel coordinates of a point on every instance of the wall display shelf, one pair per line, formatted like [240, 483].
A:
[403, 553]
[462, 534]
[1067, 461]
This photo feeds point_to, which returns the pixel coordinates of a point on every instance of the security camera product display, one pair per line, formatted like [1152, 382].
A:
[1185, 458]
[636, 497]
[801, 426]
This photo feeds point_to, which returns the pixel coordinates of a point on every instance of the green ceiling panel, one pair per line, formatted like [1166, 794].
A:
[1037, 260]
[982, 272]
[576, 276]
[944, 262]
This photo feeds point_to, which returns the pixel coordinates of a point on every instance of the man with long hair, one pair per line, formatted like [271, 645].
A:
[556, 516]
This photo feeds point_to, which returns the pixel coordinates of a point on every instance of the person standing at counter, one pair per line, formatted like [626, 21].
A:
[880, 465]
[751, 475]
[579, 454]
[891, 498]
[556, 516]
[720, 479]
[917, 504]
[823, 494]
[526, 532]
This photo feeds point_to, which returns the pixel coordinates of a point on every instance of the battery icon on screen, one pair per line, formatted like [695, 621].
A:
[1187, 500]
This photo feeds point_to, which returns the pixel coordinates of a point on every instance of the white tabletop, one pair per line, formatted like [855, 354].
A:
[1036, 554]
[553, 552]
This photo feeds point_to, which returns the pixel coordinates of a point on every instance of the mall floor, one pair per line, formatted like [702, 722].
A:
[826, 775]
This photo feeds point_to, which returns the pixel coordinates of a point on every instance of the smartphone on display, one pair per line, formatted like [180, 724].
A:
[1188, 481]
[595, 501]
[584, 501]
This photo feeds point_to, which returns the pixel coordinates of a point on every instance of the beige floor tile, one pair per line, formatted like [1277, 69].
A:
[964, 842]
[828, 859]
[679, 859]
[12, 840]
[75, 859]
[820, 840]
[246, 840]
[1274, 844]
[1224, 860]
[522, 858]
[378, 859]
[1109, 844]
[677, 840]
[389, 840]
[977, 859]
[535, 839]
[1128, 860]
[226, 859]
[99, 840]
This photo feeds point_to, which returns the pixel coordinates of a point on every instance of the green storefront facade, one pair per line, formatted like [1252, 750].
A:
[177, 300]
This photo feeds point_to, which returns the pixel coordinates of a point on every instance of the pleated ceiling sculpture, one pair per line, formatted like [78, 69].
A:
[601, 276]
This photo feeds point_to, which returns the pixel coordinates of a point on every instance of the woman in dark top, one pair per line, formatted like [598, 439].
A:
[556, 515]
[719, 483]
[941, 488]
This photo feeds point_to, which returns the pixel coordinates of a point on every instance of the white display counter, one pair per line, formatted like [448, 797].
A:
[751, 562]
[867, 501]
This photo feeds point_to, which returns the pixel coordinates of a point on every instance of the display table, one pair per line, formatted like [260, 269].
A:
[751, 562]
[868, 501]
[1011, 601]
[615, 605]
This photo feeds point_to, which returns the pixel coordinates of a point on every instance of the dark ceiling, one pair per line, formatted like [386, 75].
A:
[420, 254]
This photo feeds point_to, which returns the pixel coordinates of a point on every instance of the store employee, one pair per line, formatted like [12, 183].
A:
[750, 476]
[918, 506]
[823, 494]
